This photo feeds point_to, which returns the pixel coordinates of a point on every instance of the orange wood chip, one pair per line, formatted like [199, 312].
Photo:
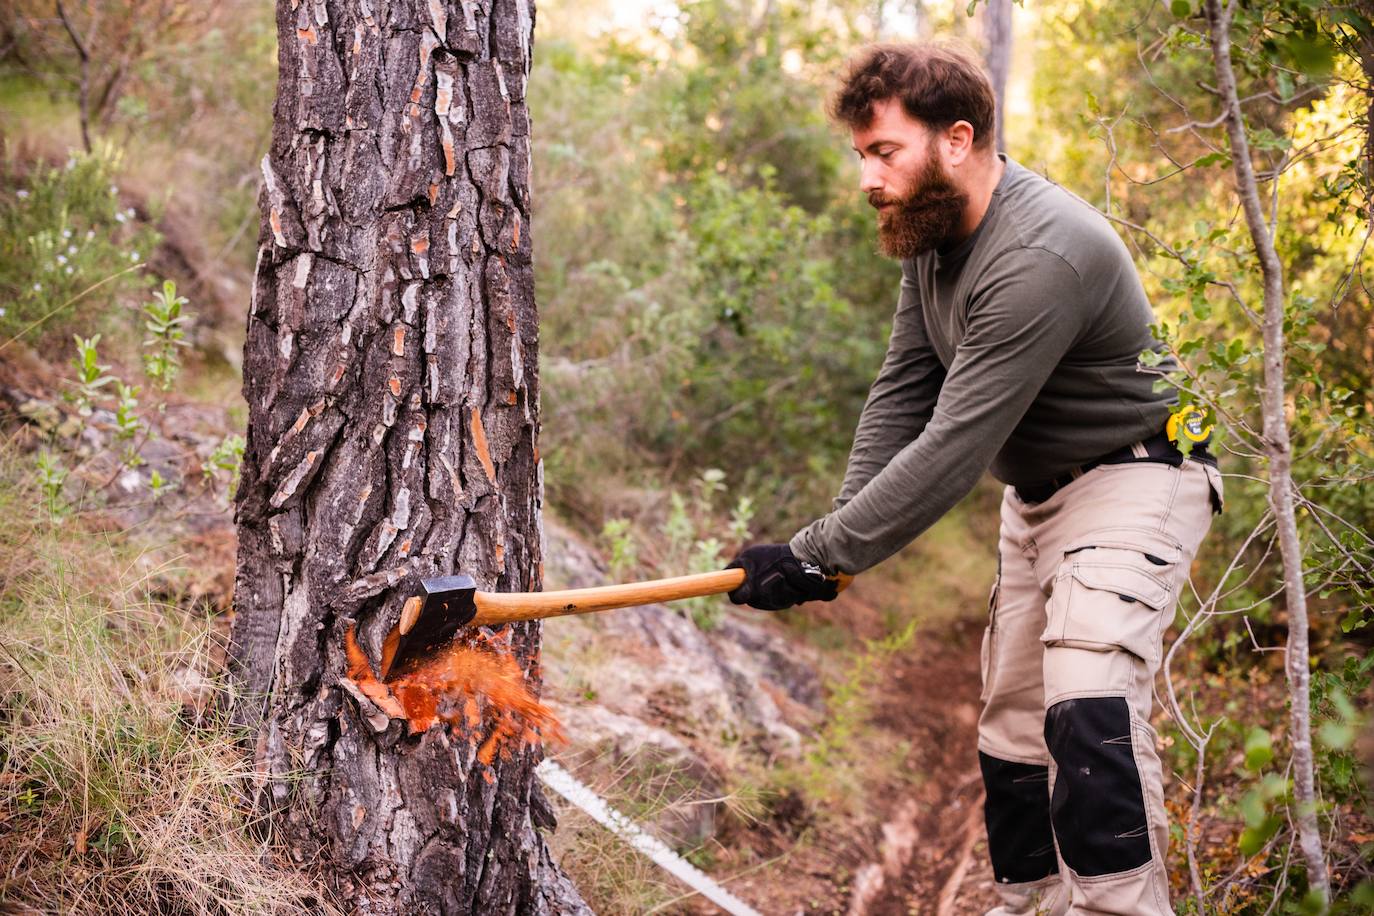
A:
[360, 672]
[475, 685]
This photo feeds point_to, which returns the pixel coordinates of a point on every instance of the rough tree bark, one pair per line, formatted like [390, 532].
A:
[1278, 451]
[391, 375]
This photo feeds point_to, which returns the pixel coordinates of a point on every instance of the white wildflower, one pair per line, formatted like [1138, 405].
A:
[66, 233]
[38, 287]
[69, 270]
[22, 193]
[62, 259]
[114, 189]
[2, 311]
[71, 249]
[90, 234]
[120, 217]
[133, 256]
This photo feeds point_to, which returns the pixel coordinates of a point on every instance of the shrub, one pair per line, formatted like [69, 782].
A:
[65, 243]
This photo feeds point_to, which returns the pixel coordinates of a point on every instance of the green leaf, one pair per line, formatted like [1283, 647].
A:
[1336, 735]
[1312, 54]
[1285, 81]
[1341, 771]
[1252, 839]
[1259, 749]
[1181, 9]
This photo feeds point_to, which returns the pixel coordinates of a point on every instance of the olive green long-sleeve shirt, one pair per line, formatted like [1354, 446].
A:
[1016, 351]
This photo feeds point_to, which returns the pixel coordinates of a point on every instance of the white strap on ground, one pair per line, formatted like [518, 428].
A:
[568, 786]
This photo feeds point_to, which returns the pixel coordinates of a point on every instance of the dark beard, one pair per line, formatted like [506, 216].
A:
[925, 220]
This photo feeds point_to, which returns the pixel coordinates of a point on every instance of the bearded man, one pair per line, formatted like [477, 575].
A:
[1015, 348]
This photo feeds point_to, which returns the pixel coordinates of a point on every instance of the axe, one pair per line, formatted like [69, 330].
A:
[449, 603]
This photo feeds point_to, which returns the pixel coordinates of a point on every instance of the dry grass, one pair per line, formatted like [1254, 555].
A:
[120, 791]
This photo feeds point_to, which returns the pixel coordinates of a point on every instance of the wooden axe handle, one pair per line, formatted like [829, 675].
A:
[495, 608]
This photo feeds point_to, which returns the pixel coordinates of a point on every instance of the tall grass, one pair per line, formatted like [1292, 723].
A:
[121, 791]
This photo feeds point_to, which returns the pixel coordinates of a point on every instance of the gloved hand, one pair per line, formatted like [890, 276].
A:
[775, 579]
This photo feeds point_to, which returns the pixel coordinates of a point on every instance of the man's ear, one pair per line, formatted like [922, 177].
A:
[958, 142]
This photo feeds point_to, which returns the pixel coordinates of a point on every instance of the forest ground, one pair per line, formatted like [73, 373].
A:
[925, 697]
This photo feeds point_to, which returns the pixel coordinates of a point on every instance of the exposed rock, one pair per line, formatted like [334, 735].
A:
[649, 681]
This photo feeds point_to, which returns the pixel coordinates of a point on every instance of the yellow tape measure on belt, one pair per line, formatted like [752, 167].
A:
[1190, 423]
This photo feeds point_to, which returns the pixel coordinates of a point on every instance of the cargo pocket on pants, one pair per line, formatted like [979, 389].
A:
[1114, 590]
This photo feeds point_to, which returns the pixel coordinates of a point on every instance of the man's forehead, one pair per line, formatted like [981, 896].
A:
[890, 124]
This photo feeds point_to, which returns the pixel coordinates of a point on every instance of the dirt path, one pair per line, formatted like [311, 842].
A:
[923, 851]
[934, 700]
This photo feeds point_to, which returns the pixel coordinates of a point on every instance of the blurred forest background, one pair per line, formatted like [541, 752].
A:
[712, 313]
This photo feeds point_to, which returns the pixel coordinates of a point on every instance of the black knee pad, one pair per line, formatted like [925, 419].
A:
[1017, 811]
[1098, 807]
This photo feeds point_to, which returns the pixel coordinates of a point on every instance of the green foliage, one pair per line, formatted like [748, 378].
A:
[52, 477]
[127, 424]
[65, 242]
[619, 538]
[91, 376]
[158, 486]
[166, 335]
[1339, 721]
[707, 281]
[1261, 807]
[89, 390]
[224, 462]
[182, 86]
[692, 538]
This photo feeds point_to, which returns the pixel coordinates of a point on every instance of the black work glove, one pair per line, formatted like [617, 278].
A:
[775, 579]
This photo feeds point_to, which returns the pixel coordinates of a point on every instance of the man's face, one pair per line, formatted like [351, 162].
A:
[919, 205]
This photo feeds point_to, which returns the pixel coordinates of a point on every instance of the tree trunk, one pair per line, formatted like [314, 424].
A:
[997, 38]
[1278, 451]
[391, 376]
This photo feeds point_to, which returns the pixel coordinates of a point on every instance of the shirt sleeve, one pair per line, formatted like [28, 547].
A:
[902, 398]
[1023, 318]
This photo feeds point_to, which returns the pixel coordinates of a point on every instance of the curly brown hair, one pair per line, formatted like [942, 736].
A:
[938, 84]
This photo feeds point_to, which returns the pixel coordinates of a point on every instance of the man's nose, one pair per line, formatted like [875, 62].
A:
[869, 178]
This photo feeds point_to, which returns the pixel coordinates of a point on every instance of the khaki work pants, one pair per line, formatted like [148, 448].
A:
[1087, 583]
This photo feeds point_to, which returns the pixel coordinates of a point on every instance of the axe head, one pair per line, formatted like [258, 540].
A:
[431, 619]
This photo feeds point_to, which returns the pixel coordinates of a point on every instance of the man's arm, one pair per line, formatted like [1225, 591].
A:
[1022, 321]
[902, 398]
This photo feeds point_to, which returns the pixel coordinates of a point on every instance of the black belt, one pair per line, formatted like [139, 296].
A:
[1157, 448]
